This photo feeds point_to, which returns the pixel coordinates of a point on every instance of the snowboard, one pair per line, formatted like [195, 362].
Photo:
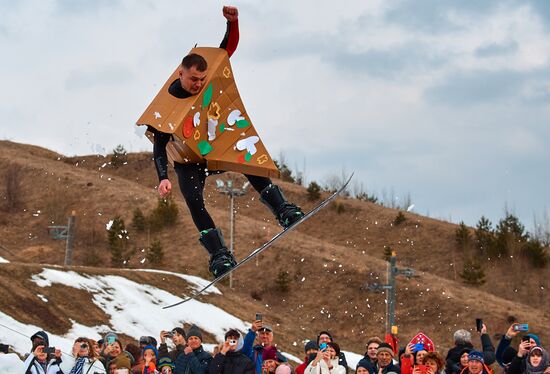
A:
[266, 245]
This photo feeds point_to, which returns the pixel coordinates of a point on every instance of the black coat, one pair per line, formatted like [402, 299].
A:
[231, 363]
[195, 362]
[453, 356]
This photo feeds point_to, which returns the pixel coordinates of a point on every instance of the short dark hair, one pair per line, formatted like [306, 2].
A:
[195, 60]
[232, 333]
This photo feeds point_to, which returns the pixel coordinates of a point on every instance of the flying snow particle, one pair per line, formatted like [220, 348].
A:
[109, 224]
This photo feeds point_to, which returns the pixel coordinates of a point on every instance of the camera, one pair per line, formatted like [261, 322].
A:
[521, 327]
[232, 342]
[170, 334]
[49, 350]
[83, 345]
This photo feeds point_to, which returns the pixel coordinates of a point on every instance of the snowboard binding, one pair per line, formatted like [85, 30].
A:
[221, 259]
[286, 213]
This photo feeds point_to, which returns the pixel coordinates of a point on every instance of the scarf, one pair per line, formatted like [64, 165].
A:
[77, 368]
[530, 369]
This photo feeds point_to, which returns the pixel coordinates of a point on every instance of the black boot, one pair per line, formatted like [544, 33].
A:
[221, 259]
[287, 213]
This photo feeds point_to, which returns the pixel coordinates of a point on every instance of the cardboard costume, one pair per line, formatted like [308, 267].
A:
[211, 127]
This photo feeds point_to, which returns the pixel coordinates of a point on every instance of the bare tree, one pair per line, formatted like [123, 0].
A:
[335, 181]
[542, 228]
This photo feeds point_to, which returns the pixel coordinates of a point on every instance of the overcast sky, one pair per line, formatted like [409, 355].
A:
[448, 101]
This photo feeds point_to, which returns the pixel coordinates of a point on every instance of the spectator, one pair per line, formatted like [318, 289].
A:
[434, 362]
[326, 337]
[529, 359]
[178, 338]
[362, 369]
[505, 353]
[136, 352]
[384, 360]
[193, 359]
[463, 339]
[369, 361]
[419, 346]
[270, 361]
[476, 364]
[255, 352]
[39, 338]
[83, 359]
[40, 361]
[326, 361]
[463, 363]
[311, 350]
[150, 356]
[113, 351]
[166, 365]
[230, 361]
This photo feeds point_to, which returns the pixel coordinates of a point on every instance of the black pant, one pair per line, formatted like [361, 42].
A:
[191, 178]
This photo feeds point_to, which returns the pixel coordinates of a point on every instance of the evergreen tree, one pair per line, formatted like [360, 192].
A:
[485, 238]
[510, 236]
[165, 214]
[536, 254]
[119, 156]
[313, 191]
[283, 281]
[472, 273]
[118, 238]
[462, 236]
[155, 253]
[399, 219]
[139, 222]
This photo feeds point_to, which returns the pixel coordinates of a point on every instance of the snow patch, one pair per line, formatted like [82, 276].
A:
[3, 261]
[196, 282]
[11, 364]
[43, 298]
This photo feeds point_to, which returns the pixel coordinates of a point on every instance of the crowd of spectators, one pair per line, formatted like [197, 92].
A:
[181, 352]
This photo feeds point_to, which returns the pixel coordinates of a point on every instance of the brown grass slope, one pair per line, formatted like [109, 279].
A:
[329, 259]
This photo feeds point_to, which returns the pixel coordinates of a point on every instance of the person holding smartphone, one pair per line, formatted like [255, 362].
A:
[264, 333]
[178, 337]
[229, 360]
[83, 359]
[505, 353]
[326, 361]
[463, 339]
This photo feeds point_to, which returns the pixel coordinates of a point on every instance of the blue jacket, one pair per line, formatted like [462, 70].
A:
[254, 352]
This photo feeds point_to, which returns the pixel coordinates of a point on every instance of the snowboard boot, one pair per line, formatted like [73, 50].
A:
[221, 259]
[287, 213]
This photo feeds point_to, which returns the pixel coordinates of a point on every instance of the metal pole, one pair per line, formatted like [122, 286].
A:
[231, 232]
[70, 237]
[391, 293]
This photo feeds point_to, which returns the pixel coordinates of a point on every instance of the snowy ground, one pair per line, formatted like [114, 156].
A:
[134, 309]
[3, 260]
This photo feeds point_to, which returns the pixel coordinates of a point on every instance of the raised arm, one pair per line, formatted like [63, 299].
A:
[231, 37]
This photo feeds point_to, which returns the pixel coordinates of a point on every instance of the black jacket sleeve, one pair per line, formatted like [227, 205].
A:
[217, 364]
[488, 349]
[160, 141]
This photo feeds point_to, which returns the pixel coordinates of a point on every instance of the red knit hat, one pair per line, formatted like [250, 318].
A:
[269, 353]
[420, 338]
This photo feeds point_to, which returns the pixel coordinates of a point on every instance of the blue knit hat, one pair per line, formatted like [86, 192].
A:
[534, 337]
[475, 356]
[153, 348]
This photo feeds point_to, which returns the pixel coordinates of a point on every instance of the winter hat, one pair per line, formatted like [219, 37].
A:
[269, 353]
[283, 369]
[153, 348]
[385, 347]
[165, 361]
[233, 333]
[194, 331]
[310, 345]
[41, 335]
[530, 369]
[475, 356]
[423, 339]
[535, 338]
[180, 331]
[265, 328]
[123, 361]
[324, 333]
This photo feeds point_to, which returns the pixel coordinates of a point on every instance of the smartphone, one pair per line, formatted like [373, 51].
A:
[521, 327]
[479, 324]
[423, 368]
[259, 316]
[170, 334]
[323, 346]
[111, 339]
[418, 347]
[232, 342]
[525, 338]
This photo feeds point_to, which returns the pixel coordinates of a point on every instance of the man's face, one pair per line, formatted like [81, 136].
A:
[384, 359]
[191, 79]
[371, 350]
[178, 339]
[194, 342]
[266, 337]
[271, 365]
[475, 367]
[232, 340]
[324, 338]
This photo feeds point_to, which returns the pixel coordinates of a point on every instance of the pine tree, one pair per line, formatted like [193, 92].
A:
[399, 219]
[283, 281]
[536, 254]
[118, 238]
[313, 191]
[138, 221]
[485, 237]
[510, 236]
[155, 253]
[119, 156]
[462, 236]
[165, 214]
[472, 273]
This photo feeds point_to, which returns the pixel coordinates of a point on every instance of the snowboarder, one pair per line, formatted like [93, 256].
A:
[191, 176]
